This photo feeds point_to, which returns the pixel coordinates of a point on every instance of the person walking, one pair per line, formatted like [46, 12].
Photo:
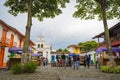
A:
[96, 63]
[57, 61]
[69, 61]
[85, 61]
[88, 61]
[46, 63]
[63, 60]
[57, 58]
[60, 62]
[77, 62]
[74, 61]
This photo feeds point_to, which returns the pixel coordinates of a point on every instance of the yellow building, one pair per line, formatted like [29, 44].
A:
[75, 49]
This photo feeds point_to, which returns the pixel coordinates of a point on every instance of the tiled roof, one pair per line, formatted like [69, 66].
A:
[5, 25]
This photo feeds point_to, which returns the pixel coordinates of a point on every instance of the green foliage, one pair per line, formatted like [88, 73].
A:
[103, 9]
[90, 9]
[59, 50]
[35, 8]
[88, 45]
[29, 67]
[16, 69]
[65, 50]
[40, 8]
[109, 69]
[62, 50]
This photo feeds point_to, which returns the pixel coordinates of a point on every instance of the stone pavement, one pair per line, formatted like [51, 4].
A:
[59, 73]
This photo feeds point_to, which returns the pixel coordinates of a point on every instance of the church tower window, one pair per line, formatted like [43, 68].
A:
[38, 45]
[41, 45]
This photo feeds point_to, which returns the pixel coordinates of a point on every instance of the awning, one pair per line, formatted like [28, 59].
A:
[101, 49]
[18, 49]
[36, 54]
[13, 49]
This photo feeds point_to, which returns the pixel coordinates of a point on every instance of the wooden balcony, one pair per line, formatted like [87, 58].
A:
[2, 44]
[114, 42]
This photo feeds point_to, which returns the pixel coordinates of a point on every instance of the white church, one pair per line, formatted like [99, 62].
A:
[43, 48]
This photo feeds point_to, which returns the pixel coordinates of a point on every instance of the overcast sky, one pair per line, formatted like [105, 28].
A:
[61, 31]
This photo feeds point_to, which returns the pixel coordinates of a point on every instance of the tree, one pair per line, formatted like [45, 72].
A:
[103, 9]
[35, 8]
[62, 50]
[89, 45]
[65, 50]
[59, 50]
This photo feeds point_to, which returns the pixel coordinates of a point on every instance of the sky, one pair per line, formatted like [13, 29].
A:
[61, 31]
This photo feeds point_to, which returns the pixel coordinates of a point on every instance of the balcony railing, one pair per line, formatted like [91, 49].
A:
[4, 44]
[113, 40]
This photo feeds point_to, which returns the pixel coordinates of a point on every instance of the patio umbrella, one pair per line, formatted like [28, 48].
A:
[13, 49]
[101, 49]
[35, 55]
[18, 49]
[116, 49]
[71, 54]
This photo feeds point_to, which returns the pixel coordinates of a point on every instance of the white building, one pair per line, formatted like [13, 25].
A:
[42, 47]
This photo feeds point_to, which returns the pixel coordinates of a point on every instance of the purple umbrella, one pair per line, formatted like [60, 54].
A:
[17, 49]
[35, 55]
[116, 49]
[101, 49]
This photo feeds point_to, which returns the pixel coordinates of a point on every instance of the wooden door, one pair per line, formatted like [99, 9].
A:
[2, 49]
[11, 41]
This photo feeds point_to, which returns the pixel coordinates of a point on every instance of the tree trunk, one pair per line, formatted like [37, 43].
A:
[24, 58]
[107, 36]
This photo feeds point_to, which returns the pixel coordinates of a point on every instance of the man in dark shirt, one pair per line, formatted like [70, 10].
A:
[57, 58]
[63, 60]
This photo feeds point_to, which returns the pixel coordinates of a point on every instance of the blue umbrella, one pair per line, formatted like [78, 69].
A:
[71, 54]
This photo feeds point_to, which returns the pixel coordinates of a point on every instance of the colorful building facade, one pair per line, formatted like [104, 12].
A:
[9, 37]
[114, 33]
[75, 49]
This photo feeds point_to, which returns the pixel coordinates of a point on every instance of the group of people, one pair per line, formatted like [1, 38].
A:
[73, 61]
[61, 60]
[43, 61]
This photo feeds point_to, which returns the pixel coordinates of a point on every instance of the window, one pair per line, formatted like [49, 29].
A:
[38, 45]
[41, 45]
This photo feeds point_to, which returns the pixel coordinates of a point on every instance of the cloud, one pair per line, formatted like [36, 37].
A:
[60, 31]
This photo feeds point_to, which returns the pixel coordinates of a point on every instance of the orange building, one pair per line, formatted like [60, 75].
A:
[9, 37]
